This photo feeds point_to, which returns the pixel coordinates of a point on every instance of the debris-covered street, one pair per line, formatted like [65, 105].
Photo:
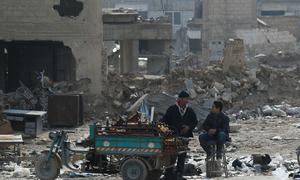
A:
[255, 136]
[150, 89]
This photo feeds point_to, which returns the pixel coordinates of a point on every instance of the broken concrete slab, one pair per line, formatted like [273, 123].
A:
[218, 86]
[134, 108]
[234, 127]
[236, 83]
[292, 111]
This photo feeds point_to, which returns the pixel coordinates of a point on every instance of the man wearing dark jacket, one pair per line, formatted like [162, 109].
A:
[181, 118]
[216, 126]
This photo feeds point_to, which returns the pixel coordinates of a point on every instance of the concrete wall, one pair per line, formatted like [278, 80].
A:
[185, 16]
[284, 23]
[36, 20]
[267, 41]
[290, 7]
[137, 31]
[155, 8]
[234, 56]
[154, 5]
[220, 20]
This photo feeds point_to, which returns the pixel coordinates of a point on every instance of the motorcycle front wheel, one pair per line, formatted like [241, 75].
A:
[46, 169]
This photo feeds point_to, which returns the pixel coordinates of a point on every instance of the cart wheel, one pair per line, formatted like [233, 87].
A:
[154, 174]
[134, 169]
[46, 170]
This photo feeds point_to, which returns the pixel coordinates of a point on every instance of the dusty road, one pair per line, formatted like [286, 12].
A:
[254, 136]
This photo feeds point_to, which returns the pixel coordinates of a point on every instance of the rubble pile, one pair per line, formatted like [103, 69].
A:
[36, 98]
[159, 19]
[247, 90]
[281, 110]
[245, 93]
[123, 91]
[281, 60]
[13, 170]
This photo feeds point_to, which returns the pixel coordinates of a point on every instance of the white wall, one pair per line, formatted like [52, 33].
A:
[267, 41]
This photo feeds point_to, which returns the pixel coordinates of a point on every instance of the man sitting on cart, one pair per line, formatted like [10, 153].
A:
[216, 126]
[183, 120]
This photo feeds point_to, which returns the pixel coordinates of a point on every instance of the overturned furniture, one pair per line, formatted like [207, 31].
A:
[29, 122]
[10, 147]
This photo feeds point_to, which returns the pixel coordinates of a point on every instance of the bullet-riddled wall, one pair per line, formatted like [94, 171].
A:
[75, 23]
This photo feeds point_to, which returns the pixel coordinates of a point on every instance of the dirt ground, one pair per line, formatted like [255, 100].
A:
[254, 137]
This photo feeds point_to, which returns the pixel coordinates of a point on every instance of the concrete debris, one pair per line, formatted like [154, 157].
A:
[15, 171]
[260, 86]
[234, 127]
[297, 125]
[20, 172]
[243, 92]
[117, 103]
[248, 95]
[228, 96]
[234, 56]
[293, 111]
[218, 86]
[159, 19]
[36, 98]
[280, 173]
[291, 165]
[282, 110]
[8, 167]
[276, 138]
[236, 83]
[273, 111]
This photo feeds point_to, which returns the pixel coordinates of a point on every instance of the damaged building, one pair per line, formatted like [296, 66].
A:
[178, 11]
[140, 41]
[278, 8]
[219, 21]
[61, 37]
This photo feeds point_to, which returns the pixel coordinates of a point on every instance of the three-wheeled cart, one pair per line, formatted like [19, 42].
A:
[138, 151]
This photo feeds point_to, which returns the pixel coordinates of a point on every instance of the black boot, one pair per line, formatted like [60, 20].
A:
[180, 176]
[169, 174]
[207, 149]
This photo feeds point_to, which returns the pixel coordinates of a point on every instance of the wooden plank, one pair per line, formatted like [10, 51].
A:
[10, 138]
[24, 112]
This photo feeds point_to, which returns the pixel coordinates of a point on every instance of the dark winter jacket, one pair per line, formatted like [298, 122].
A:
[218, 121]
[174, 119]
